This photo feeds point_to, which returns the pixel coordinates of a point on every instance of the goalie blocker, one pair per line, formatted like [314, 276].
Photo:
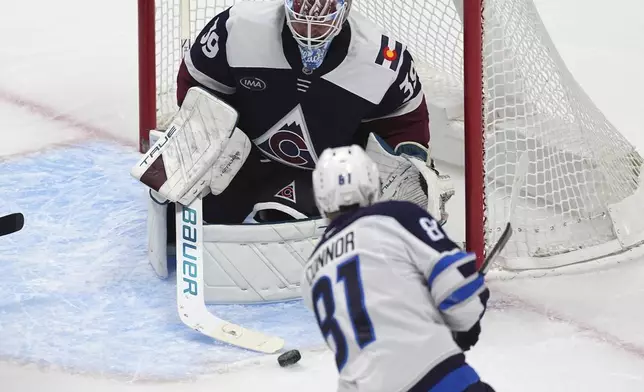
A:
[258, 262]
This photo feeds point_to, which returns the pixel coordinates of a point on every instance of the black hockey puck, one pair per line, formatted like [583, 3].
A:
[289, 358]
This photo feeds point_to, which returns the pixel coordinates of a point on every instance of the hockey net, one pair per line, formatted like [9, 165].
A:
[582, 182]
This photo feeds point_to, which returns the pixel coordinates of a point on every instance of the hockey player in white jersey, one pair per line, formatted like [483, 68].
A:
[395, 299]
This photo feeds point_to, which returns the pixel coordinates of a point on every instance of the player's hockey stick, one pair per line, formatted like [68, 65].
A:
[519, 178]
[11, 223]
[498, 247]
[190, 288]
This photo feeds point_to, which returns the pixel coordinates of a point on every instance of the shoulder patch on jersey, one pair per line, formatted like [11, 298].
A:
[390, 53]
[288, 193]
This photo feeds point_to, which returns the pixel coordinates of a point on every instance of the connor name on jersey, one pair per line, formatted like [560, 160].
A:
[247, 56]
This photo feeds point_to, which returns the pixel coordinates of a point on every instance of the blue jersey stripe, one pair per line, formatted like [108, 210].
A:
[444, 263]
[462, 294]
[457, 380]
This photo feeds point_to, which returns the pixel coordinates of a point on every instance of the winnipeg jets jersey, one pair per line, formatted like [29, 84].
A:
[387, 286]
[367, 83]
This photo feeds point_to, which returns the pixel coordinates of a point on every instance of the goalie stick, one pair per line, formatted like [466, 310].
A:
[11, 223]
[519, 178]
[190, 288]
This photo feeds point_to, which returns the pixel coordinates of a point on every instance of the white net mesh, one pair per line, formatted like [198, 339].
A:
[580, 164]
[580, 167]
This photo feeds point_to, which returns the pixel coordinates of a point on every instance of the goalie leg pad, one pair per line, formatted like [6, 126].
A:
[252, 263]
[255, 263]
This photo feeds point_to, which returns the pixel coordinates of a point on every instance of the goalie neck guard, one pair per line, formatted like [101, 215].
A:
[314, 24]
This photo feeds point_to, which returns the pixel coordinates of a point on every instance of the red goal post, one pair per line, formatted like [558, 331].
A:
[497, 90]
[147, 72]
[473, 128]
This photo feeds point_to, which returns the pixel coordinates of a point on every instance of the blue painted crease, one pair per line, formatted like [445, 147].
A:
[76, 290]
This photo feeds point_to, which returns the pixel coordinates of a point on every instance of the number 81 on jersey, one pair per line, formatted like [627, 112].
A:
[324, 296]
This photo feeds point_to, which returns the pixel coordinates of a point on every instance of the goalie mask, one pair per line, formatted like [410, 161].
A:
[314, 24]
[344, 177]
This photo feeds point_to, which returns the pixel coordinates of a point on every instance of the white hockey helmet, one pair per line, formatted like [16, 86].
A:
[343, 177]
[314, 23]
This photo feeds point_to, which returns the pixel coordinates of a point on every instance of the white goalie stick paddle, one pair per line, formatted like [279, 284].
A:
[190, 288]
[519, 178]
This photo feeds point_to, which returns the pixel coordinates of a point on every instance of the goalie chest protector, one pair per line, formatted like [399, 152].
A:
[248, 56]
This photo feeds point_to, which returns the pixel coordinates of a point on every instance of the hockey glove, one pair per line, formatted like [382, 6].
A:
[466, 340]
[407, 173]
[201, 151]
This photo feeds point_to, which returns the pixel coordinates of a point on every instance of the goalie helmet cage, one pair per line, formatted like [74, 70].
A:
[493, 78]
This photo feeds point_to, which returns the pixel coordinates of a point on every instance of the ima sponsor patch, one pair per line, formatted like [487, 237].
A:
[253, 83]
[390, 53]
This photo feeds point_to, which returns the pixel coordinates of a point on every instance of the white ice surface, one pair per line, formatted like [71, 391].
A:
[30, 136]
[68, 72]
[74, 61]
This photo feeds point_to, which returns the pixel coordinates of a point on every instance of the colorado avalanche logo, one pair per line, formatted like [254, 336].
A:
[289, 141]
[287, 193]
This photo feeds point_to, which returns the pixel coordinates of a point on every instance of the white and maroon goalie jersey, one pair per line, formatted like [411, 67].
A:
[367, 83]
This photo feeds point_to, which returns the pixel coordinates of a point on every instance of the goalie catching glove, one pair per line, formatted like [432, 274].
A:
[201, 151]
[407, 173]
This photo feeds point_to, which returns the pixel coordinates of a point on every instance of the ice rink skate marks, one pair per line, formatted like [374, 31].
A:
[76, 291]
